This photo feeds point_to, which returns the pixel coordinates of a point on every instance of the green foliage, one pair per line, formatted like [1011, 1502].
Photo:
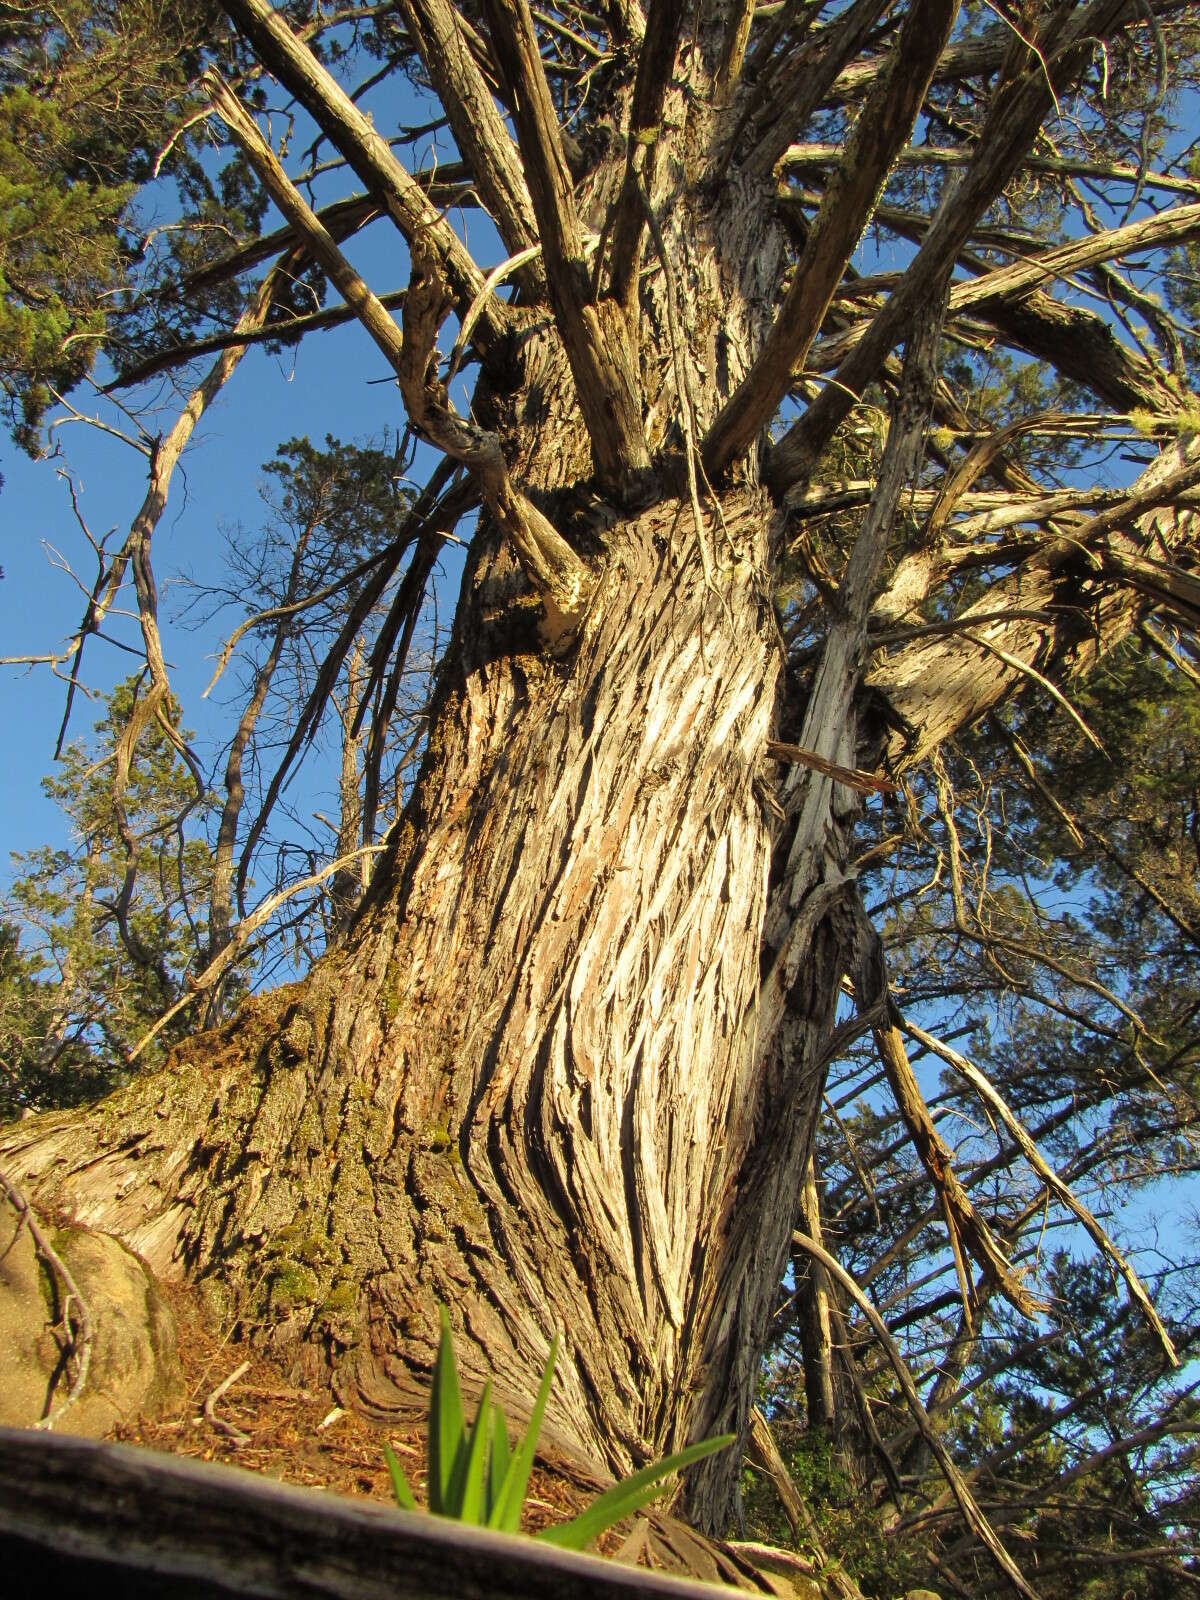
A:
[97, 939]
[475, 1477]
[86, 92]
[844, 1512]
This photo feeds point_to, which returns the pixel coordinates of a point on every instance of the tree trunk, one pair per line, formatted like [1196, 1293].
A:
[564, 1071]
[527, 1086]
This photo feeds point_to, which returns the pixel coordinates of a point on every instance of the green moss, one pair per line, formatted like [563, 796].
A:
[291, 1284]
[341, 1299]
[316, 1250]
[942, 438]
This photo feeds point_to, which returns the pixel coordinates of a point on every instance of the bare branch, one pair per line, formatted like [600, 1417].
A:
[882, 128]
[368, 153]
[996, 1103]
[595, 336]
[1174, 226]
[967, 1503]
[962, 1220]
[929, 155]
[1018, 109]
[563, 580]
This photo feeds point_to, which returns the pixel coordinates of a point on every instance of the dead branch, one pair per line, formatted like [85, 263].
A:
[967, 1504]
[77, 1340]
[996, 1103]
[1018, 110]
[479, 130]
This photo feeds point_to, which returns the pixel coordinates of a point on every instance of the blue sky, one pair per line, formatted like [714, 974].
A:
[335, 382]
[322, 386]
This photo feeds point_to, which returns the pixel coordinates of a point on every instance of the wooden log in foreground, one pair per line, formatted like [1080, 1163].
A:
[81, 1517]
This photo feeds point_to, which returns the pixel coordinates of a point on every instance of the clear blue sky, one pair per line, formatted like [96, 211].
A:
[334, 382]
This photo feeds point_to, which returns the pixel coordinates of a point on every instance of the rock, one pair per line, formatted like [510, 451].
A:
[133, 1365]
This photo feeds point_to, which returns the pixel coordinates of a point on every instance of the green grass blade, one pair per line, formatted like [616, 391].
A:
[447, 1445]
[404, 1496]
[628, 1496]
[506, 1513]
[498, 1458]
[471, 1501]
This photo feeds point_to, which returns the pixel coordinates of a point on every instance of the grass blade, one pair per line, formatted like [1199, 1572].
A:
[471, 1500]
[628, 1496]
[404, 1495]
[447, 1446]
[506, 1513]
[498, 1458]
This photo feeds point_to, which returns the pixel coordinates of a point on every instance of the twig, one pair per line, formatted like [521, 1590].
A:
[210, 1416]
[79, 1341]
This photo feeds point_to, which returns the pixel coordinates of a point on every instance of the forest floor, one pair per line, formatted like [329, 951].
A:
[237, 1407]
[266, 1424]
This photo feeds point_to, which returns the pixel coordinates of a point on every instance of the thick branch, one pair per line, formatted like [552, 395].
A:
[478, 127]
[882, 129]
[1059, 620]
[563, 580]
[302, 219]
[595, 336]
[656, 62]
[1174, 226]
[929, 155]
[367, 152]
[1017, 112]
[807, 82]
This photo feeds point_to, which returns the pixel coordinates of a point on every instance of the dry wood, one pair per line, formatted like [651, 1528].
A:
[811, 80]
[564, 581]
[1174, 226]
[77, 1515]
[478, 128]
[558, 574]
[963, 1221]
[824, 155]
[967, 1504]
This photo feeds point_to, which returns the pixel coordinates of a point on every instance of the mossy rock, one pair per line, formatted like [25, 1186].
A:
[133, 1362]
